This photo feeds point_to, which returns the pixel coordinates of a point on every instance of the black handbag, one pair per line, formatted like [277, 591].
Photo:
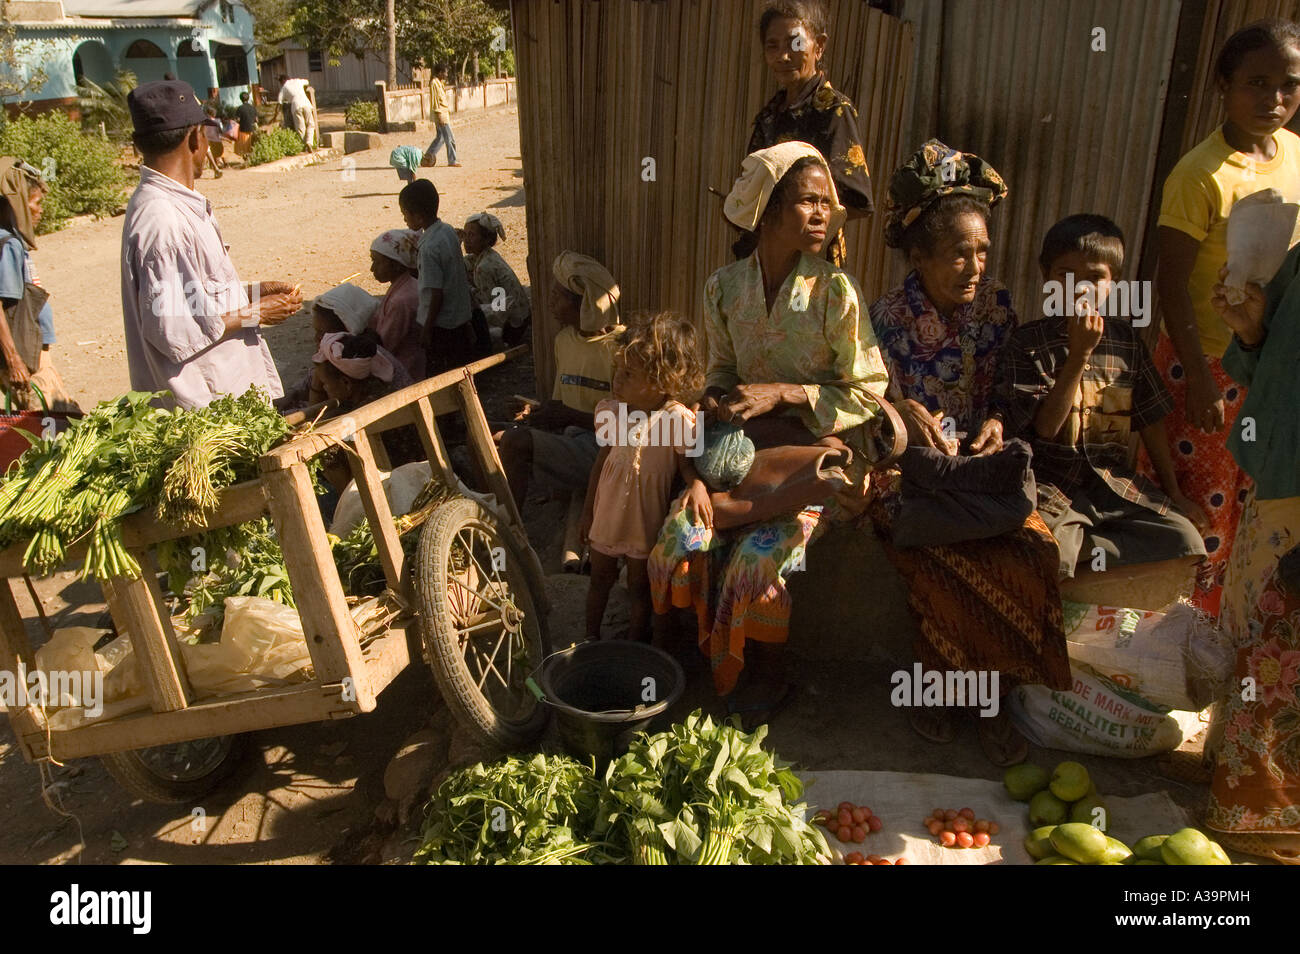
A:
[948, 499]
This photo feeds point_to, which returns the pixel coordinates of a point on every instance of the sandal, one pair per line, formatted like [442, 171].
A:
[933, 725]
[1001, 740]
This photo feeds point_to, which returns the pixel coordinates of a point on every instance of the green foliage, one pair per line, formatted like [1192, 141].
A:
[275, 145]
[700, 793]
[22, 62]
[83, 172]
[243, 560]
[107, 104]
[428, 32]
[362, 114]
[272, 23]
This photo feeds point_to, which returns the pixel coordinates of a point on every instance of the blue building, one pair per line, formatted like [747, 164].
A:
[207, 43]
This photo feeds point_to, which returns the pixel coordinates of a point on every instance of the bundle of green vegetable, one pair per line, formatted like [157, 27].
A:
[699, 794]
[542, 810]
[243, 560]
[124, 456]
[705, 793]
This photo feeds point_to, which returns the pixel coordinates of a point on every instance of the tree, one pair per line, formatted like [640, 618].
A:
[22, 62]
[272, 25]
[427, 31]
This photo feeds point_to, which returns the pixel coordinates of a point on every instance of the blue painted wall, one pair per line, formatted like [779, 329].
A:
[102, 51]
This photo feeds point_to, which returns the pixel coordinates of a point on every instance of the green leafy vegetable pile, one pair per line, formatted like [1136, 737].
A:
[124, 456]
[700, 793]
[243, 560]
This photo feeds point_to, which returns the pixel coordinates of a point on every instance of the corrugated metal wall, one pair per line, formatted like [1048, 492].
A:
[1070, 129]
[606, 85]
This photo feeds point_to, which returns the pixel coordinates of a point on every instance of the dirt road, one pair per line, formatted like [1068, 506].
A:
[311, 225]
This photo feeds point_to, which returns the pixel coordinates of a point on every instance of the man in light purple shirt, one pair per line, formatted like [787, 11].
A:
[191, 325]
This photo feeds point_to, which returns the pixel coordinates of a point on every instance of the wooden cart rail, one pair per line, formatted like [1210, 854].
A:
[346, 680]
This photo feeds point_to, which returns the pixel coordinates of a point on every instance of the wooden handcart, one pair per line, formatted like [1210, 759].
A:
[473, 603]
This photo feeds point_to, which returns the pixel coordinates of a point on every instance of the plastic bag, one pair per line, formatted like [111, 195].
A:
[1260, 227]
[261, 638]
[401, 487]
[1098, 717]
[1179, 659]
[68, 663]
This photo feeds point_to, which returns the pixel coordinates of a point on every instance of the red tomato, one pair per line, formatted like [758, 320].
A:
[853, 858]
[982, 825]
[967, 813]
[981, 839]
[935, 826]
[845, 817]
[947, 839]
[874, 859]
[867, 810]
[859, 834]
[844, 833]
[822, 817]
[874, 823]
[901, 861]
[950, 814]
[844, 807]
[959, 824]
[938, 813]
[993, 828]
[965, 839]
[859, 816]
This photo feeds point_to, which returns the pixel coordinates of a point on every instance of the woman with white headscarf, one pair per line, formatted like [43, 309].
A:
[394, 262]
[790, 349]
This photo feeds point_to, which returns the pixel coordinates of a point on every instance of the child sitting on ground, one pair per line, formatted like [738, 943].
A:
[494, 284]
[1076, 387]
[393, 262]
[646, 433]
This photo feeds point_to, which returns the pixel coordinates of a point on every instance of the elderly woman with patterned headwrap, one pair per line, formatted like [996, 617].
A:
[789, 348]
[989, 604]
[557, 443]
[494, 284]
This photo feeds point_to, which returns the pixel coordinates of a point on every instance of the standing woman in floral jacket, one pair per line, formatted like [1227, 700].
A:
[808, 109]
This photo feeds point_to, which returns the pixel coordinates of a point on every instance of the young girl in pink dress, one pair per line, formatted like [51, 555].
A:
[647, 434]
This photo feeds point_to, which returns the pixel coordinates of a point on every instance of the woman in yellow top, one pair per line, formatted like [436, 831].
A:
[1258, 74]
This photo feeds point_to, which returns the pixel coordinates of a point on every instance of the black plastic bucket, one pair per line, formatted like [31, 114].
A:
[602, 695]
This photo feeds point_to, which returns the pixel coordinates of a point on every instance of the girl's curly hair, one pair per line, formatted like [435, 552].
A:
[667, 347]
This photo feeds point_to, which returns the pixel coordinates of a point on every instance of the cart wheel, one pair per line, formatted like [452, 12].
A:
[482, 633]
[180, 772]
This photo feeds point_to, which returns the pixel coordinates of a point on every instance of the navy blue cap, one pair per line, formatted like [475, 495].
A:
[165, 104]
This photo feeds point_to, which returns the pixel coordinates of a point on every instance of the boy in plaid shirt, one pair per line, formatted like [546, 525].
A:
[1076, 387]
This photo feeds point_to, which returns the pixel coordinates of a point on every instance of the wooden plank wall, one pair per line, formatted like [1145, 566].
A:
[606, 84]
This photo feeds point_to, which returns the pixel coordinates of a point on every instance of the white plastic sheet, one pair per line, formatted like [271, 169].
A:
[1260, 227]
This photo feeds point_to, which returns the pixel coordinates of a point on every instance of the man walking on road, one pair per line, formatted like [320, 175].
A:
[294, 93]
[442, 119]
[191, 325]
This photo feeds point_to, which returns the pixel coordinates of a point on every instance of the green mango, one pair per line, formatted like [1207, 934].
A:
[1148, 848]
[1148, 861]
[1070, 781]
[1046, 809]
[1037, 843]
[1116, 852]
[1190, 847]
[1025, 780]
[1055, 860]
[1220, 853]
[1081, 843]
[1083, 811]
